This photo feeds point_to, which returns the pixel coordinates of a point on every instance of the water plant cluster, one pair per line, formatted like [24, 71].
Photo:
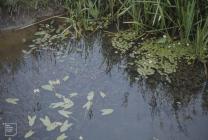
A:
[148, 56]
[63, 107]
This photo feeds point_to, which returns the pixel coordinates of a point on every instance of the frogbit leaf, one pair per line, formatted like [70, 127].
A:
[90, 96]
[64, 105]
[12, 100]
[48, 124]
[107, 111]
[61, 137]
[31, 120]
[29, 134]
[64, 113]
[102, 94]
[88, 105]
[66, 78]
[47, 87]
[66, 125]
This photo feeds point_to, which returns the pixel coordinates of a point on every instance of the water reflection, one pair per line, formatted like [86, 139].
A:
[145, 108]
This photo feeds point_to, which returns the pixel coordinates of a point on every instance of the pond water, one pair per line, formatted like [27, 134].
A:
[143, 108]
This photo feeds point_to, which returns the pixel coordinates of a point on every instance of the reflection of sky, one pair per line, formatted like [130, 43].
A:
[143, 110]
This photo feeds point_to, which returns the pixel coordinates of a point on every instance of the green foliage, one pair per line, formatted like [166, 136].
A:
[201, 41]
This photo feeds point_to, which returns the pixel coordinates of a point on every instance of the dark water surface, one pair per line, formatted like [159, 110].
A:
[144, 109]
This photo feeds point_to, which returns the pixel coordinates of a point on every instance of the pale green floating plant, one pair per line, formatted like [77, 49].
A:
[102, 94]
[66, 125]
[62, 137]
[90, 96]
[29, 134]
[50, 126]
[64, 113]
[66, 78]
[107, 111]
[88, 105]
[31, 120]
[47, 87]
[12, 100]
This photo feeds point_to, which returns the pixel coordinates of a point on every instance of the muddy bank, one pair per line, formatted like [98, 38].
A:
[25, 16]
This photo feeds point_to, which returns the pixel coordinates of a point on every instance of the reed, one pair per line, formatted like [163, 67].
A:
[184, 19]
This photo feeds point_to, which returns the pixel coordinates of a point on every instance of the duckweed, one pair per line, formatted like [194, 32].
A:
[162, 55]
[163, 58]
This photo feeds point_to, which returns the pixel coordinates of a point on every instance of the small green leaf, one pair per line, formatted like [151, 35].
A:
[29, 134]
[64, 113]
[65, 105]
[59, 95]
[54, 82]
[48, 124]
[90, 96]
[66, 78]
[102, 94]
[88, 105]
[12, 100]
[47, 87]
[61, 137]
[73, 95]
[65, 126]
[107, 111]
[31, 120]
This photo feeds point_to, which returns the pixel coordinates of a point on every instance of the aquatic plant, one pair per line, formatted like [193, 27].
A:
[162, 58]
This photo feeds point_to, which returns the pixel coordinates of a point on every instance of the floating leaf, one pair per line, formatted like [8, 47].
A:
[66, 78]
[56, 105]
[12, 100]
[59, 95]
[65, 126]
[73, 95]
[61, 137]
[31, 120]
[66, 104]
[107, 111]
[54, 82]
[90, 96]
[88, 105]
[48, 124]
[102, 94]
[29, 134]
[64, 113]
[47, 87]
